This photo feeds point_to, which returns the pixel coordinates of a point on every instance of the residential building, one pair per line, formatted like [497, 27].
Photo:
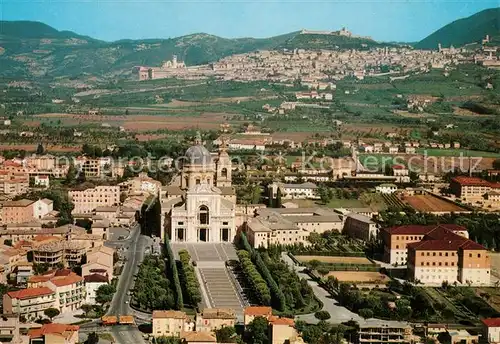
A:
[198, 337]
[99, 260]
[442, 255]
[472, 188]
[361, 227]
[24, 271]
[141, 183]
[282, 331]
[10, 330]
[253, 312]
[171, 323]
[386, 188]
[375, 331]
[42, 181]
[70, 291]
[101, 229]
[13, 183]
[491, 330]
[86, 201]
[211, 319]
[54, 334]
[396, 239]
[16, 211]
[401, 173]
[29, 302]
[459, 336]
[92, 283]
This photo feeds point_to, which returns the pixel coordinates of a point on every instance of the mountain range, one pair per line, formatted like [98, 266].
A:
[35, 50]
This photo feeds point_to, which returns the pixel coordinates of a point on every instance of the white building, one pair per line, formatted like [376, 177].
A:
[92, 283]
[295, 191]
[42, 181]
[200, 205]
[386, 188]
[87, 200]
[42, 207]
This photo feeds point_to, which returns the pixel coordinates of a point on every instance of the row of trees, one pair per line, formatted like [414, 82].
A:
[152, 289]
[254, 278]
[277, 297]
[173, 274]
[189, 279]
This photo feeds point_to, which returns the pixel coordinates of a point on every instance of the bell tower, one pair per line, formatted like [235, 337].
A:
[224, 169]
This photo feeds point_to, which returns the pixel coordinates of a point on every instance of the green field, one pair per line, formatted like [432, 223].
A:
[457, 152]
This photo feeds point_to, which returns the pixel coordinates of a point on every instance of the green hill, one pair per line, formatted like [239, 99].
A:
[463, 31]
[33, 49]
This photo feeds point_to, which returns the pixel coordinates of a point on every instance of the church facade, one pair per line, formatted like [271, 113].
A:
[200, 204]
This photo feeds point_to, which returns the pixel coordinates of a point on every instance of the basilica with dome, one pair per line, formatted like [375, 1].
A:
[200, 203]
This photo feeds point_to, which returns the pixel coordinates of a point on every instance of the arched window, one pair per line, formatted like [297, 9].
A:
[223, 173]
[198, 181]
[204, 215]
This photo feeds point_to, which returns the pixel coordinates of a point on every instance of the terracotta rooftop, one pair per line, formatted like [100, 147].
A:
[95, 278]
[258, 311]
[199, 337]
[281, 321]
[60, 281]
[30, 293]
[420, 229]
[169, 315]
[60, 329]
[218, 313]
[471, 181]
[491, 322]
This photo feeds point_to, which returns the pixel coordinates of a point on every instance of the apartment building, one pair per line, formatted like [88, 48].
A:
[282, 331]
[13, 183]
[86, 201]
[211, 319]
[99, 260]
[10, 330]
[30, 302]
[171, 323]
[374, 331]
[396, 239]
[472, 188]
[253, 312]
[361, 227]
[54, 334]
[295, 191]
[69, 290]
[442, 255]
[92, 283]
[20, 211]
[56, 251]
[491, 330]
[9, 260]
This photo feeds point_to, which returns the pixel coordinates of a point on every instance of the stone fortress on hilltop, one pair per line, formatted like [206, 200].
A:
[342, 32]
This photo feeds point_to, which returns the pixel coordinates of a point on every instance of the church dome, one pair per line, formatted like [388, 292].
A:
[198, 155]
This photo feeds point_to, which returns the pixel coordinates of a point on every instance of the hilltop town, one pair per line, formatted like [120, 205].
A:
[348, 194]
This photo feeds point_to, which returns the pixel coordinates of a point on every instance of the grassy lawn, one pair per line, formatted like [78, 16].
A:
[457, 152]
[345, 203]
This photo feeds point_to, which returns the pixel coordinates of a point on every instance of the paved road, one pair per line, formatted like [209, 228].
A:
[134, 254]
[338, 313]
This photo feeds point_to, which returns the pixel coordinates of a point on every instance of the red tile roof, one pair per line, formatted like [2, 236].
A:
[470, 181]
[398, 167]
[30, 293]
[258, 311]
[491, 322]
[421, 230]
[281, 321]
[95, 278]
[61, 329]
[61, 281]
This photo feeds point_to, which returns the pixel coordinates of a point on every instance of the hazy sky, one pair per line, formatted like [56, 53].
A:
[389, 20]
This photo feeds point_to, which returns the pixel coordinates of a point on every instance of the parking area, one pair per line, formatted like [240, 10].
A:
[206, 252]
[118, 233]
